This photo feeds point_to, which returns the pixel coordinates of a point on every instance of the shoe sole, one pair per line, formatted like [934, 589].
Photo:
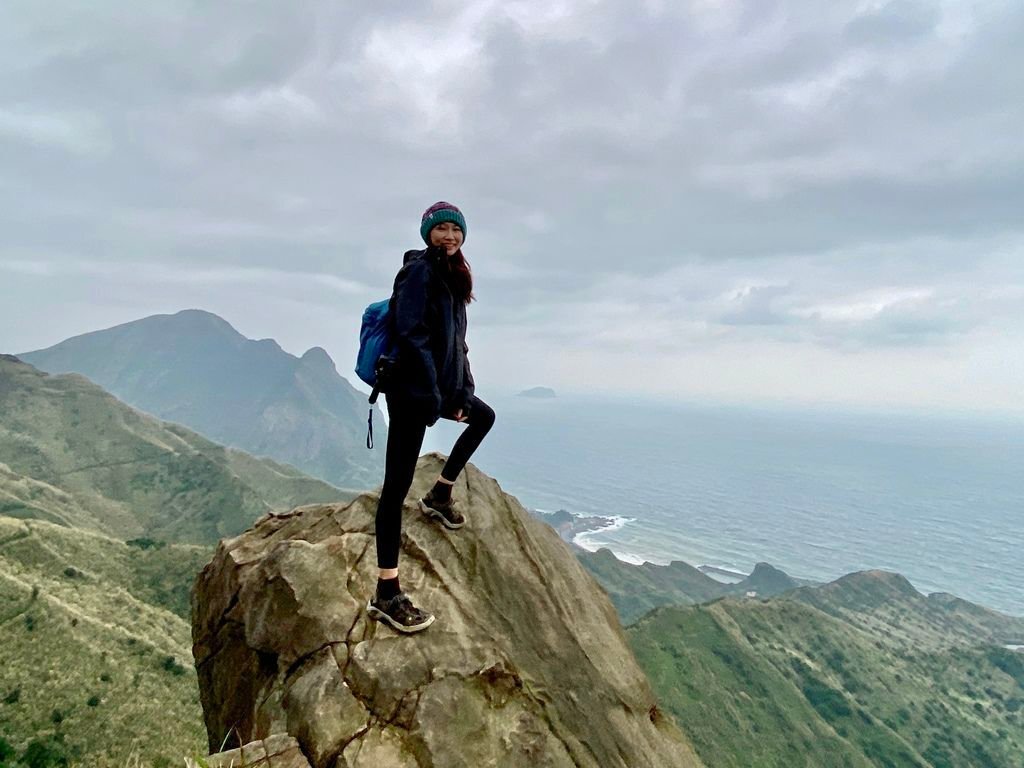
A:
[379, 615]
[431, 512]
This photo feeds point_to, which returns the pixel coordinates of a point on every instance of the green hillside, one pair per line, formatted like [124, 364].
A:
[96, 663]
[73, 454]
[97, 647]
[864, 671]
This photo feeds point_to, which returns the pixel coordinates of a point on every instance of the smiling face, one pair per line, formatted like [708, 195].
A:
[447, 234]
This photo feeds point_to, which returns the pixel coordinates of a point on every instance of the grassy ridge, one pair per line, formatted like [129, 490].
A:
[73, 454]
[97, 645]
[861, 672]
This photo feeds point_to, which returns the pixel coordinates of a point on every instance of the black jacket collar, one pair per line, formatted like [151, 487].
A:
[430, 253]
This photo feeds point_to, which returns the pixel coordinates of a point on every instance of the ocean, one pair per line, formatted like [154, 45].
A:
[817, 493]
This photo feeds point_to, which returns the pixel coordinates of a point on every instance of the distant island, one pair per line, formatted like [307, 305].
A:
[538, 392]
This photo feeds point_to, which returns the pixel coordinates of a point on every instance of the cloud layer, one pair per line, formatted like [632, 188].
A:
[681, 199]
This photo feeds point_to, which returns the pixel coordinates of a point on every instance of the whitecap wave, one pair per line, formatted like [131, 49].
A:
[586, 540]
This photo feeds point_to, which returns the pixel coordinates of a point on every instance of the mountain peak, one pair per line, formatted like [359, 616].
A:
[861, 591]
[766, 579]
[317, 357]
[188, 321]
[877, 578]
[526, 657]
[199, 315]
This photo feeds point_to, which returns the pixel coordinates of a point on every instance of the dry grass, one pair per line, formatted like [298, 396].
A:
[92, 660]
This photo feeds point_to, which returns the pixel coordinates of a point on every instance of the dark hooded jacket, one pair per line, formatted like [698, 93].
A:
[429, 327]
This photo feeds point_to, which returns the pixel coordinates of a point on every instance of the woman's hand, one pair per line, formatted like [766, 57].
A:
[458, 415]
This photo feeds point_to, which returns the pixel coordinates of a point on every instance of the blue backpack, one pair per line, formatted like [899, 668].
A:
[374, 340]
[377, 354]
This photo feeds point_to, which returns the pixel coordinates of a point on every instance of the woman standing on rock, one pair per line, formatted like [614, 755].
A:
[432, 381]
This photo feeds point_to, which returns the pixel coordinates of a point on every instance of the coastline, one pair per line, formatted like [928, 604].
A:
[581, 530]
[822, 494]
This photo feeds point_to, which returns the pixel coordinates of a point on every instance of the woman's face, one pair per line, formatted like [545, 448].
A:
[448, 234]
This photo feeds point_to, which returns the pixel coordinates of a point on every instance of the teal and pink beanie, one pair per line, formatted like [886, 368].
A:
[438, 212]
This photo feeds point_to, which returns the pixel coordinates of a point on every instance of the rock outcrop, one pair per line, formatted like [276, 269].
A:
[526, 663]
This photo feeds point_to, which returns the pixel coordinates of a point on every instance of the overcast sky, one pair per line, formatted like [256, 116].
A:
[742, 201]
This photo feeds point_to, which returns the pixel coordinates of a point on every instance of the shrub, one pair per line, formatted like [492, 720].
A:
[828, 702]
[49, 753]
[146, 543]
[1010, 662]
[170, 664]
[94, 701]
[57, 717]
[836, 659]
[850, 683]
[13, 696]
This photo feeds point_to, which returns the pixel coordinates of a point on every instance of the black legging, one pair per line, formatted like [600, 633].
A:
[405, 438]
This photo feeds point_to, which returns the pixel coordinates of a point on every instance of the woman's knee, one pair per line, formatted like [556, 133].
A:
[482, 414]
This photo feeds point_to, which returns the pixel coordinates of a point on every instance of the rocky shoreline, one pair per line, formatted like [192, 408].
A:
[569, 526]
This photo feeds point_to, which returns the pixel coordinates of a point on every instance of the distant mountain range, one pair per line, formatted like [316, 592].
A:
[195, 369]
[636, 589]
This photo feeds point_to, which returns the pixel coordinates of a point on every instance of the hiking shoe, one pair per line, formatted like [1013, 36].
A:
[400, 613]
[442, 510]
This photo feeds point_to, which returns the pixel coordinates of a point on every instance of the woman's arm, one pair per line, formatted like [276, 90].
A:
[413, 336]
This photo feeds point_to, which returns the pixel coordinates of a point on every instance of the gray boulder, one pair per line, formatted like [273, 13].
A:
[526, 663]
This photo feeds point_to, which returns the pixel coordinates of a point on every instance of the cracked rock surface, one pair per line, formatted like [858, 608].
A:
[525, 664]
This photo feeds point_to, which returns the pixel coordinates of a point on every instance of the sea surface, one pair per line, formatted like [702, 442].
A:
[818, 493]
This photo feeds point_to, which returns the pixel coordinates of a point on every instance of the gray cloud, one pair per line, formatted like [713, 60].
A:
[754, 305]
[694, 176]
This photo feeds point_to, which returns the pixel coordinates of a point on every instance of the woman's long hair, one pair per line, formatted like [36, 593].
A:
[460, 277]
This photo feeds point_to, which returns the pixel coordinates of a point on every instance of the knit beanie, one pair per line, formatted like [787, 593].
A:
[438, 212]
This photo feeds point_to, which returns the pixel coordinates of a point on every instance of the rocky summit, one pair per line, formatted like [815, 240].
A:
[526, 663]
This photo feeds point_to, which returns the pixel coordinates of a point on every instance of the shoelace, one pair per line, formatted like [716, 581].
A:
[404, 601]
